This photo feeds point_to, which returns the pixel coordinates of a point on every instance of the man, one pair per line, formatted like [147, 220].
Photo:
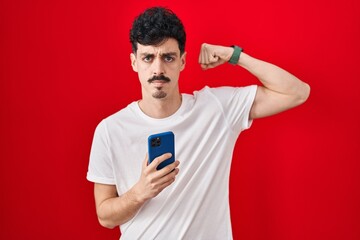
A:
[187, 201]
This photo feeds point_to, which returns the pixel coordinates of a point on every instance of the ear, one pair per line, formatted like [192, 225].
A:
[183, 61]
[133, 62]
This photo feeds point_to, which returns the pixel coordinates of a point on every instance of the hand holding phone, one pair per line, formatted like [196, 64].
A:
[152, 182]
[159, 144]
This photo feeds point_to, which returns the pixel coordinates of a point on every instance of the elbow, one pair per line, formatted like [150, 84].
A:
[304, 94]
[105, 219]
[106, 224]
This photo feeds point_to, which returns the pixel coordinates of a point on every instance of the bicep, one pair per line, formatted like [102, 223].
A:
[103, 192]
[268, 102]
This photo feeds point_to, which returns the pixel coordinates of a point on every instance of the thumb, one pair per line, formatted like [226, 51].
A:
[213, 58]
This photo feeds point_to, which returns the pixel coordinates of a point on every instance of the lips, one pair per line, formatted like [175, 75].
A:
[158, 83]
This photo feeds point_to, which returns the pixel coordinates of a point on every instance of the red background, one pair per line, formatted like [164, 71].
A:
[65, 66]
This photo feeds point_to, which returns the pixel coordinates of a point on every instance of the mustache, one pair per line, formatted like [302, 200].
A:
[159, 77]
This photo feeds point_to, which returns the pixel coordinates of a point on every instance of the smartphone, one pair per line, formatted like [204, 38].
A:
[159, 144]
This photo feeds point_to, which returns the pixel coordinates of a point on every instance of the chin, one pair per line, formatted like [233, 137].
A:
[159, 95]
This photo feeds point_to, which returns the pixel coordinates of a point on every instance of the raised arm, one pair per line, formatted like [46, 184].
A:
[280, 89]
[113, 210]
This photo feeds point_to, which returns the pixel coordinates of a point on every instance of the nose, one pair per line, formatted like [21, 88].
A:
[158, 67]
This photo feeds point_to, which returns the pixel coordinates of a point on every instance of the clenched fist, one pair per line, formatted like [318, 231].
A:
[213, 55]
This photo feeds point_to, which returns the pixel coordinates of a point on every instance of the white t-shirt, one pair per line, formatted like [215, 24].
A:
[206, 127]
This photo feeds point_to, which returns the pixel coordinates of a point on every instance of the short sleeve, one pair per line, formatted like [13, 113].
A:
[100, 168]
[236, 103]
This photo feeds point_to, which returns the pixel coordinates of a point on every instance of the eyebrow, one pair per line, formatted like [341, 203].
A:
[145, 54]
[169, 54]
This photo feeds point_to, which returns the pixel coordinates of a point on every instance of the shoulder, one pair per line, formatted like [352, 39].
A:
[122, 113]
[116, 119]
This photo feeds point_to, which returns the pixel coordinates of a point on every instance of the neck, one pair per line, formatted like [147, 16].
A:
[160, 108]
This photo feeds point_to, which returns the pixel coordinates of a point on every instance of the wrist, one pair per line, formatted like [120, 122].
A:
[134, 196]
[234, 59]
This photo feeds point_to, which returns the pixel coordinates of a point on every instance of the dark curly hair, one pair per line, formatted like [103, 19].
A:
[156, 25]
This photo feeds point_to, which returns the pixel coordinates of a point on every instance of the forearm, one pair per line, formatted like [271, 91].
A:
[117, 210]
[274, 78]
[113, 210]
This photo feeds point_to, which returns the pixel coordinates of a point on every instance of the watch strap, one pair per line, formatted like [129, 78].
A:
[234, 59]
